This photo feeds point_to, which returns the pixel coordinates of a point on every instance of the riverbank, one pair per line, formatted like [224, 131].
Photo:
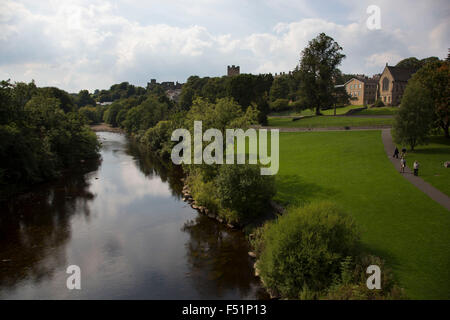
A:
[105, 128]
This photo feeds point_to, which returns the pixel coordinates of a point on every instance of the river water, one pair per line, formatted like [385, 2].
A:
[122, 221]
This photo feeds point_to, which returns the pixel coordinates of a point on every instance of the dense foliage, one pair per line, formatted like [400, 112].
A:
[245, 89]
[40, 135]
[434, 77]
[318, 69]
[118, 91]
[243, 191]
[302, 250]
[415, 63]
[414, 118]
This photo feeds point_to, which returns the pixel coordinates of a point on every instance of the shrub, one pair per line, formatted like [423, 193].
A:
[203, 191]
[378, 104]
[351, 285]
[242, 189]
[157, 139]
[303, 249]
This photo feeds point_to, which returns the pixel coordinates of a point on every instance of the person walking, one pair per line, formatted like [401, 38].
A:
[395, 153]
[416, 168]
[402, 165]
[403, 152]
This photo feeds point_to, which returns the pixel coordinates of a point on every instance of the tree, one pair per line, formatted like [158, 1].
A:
[243, 190]
[415, 63]
[66, 100]
[318, 68]
[412, 62]
[280, 88]
[415, 115]
[435, 77]
[84, 98]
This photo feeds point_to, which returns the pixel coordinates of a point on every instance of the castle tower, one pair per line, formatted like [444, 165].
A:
[233, 70]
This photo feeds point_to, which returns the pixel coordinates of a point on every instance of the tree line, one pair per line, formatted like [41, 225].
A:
[41, 134]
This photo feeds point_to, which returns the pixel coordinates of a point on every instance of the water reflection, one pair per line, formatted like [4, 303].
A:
[124, 224]
[217, 260]
[35, 227]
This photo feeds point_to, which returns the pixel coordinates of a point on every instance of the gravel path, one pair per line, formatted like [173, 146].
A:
[425, 187]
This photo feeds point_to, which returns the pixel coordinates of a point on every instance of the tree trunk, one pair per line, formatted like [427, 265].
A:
[318, 111]
[446, 134]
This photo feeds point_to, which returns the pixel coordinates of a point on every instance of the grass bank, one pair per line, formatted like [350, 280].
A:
[328, 121]
[398, 222]
[431, 158]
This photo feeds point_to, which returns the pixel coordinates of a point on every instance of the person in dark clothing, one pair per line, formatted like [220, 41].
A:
[395, 153]
[403, 152]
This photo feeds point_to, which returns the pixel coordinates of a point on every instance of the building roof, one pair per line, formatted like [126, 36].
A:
[363, 79]
[401, 74]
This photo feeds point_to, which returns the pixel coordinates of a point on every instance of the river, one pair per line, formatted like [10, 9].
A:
[122, 221]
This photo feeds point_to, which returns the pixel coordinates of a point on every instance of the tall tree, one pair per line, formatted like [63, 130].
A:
[435, 76]
[415, 115]
[318, 67]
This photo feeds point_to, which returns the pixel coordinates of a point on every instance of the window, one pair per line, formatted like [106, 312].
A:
[360, 85]
[385, 84]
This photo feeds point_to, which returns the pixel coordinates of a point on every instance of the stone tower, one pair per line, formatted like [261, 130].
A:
[233, 70]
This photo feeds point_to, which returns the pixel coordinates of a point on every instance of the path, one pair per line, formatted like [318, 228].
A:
[425, 187]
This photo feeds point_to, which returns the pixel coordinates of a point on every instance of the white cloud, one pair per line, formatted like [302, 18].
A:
[79, 44]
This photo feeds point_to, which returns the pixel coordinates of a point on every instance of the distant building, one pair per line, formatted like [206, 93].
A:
[362, 90]
[174, 94]
[167, 85]
[392, 84]
[106, 103]
[282, 74]
[233, 70]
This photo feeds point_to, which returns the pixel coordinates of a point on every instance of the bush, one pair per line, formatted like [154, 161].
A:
[203, 191]
[157, 139]
[378, 104]
[301, 251]
[242, 189]
[351, 285]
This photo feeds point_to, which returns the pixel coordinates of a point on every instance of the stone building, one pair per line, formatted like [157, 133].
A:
[233, 70]
[392, 84]
[166, 85]
[362, 90]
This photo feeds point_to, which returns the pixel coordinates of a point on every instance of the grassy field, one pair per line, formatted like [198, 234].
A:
[328, 121]
[382, 111]
[309, 112]
[431, 158]
[397, 221]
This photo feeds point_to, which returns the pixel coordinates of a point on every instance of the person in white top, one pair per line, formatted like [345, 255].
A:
[402, 164]
[416, 168]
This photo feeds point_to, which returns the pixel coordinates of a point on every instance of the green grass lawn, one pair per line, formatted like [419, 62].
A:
[328, 121]
[286, 113]
[382, 111]
[431, 158]
[398, 222]
[309, 112]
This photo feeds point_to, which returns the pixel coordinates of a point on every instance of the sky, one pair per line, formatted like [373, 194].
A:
[80, 44]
